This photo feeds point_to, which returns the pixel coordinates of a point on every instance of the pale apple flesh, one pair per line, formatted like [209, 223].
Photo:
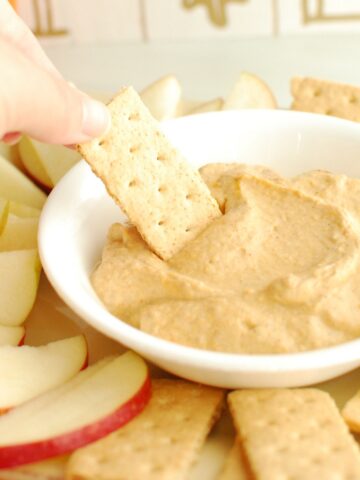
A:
[14, 185]
[46, 163]
[162, 97]
[11, 335]
[32, 163]
[11, 154]
[186, 106]
[21, 269]
[4, 213]
[6, 151]
[91, 405]
[30, 371]
[249, 92]
[210, 106]
[19, 233]
[23, 211]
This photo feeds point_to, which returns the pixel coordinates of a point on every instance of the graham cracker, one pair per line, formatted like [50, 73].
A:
[158, 190]
[351, 413]
[294, 434]
[326, 97]
[235, 467]
[160, 443]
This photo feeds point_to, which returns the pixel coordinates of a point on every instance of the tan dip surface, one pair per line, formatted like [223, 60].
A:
[279, 271]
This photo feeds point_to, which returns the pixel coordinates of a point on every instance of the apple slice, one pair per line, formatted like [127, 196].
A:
[46, 163]
[19, 274]
[23, 211]
[6, 151]
[26, 372]
[11, 154]
[11, 335]
[162, 97]
[45, 400]
[88, 407]
[31, 161]
[14, 185]
[249, 92]
[4, 213]
[209, 106]
[57, 160]
[19, 233]
[185, 106]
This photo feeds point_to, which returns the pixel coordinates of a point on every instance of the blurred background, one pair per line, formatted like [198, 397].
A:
[102, 44]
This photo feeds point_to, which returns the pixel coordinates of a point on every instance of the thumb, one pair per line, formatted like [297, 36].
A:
[44, 106]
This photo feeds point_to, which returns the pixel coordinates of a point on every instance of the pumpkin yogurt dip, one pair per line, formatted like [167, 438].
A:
[278, 272]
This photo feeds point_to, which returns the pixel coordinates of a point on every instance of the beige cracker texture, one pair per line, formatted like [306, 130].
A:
[162, 195]
[160, 444]
[294, 434]
[235, 467]
[351, 413]
[329, 98]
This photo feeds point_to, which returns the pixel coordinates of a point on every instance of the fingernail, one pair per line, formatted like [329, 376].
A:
[96, 118]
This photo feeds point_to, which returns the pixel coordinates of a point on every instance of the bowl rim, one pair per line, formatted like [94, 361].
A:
[102, 320]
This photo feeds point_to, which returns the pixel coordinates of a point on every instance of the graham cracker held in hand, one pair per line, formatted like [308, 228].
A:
[161, 194]
[160, 444]
[294, 434]
[329, 98]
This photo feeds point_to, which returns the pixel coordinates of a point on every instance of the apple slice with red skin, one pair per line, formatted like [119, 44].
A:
[27, 372]
[11, 335]
[93, 404]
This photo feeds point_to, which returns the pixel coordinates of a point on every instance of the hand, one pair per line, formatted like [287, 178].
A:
[34, 98]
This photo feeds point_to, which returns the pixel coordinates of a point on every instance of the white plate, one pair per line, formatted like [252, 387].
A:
[78, 213]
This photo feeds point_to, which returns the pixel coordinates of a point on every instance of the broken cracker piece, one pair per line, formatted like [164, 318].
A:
[297, 434]
[161, 194]
[162, 442]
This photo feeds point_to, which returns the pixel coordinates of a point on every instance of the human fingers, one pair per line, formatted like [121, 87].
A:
[35, 102]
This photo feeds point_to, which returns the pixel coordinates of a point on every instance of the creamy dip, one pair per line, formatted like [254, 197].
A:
[278, 272]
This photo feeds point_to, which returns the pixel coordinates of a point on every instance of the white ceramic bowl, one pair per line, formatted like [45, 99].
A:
[78, 213]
